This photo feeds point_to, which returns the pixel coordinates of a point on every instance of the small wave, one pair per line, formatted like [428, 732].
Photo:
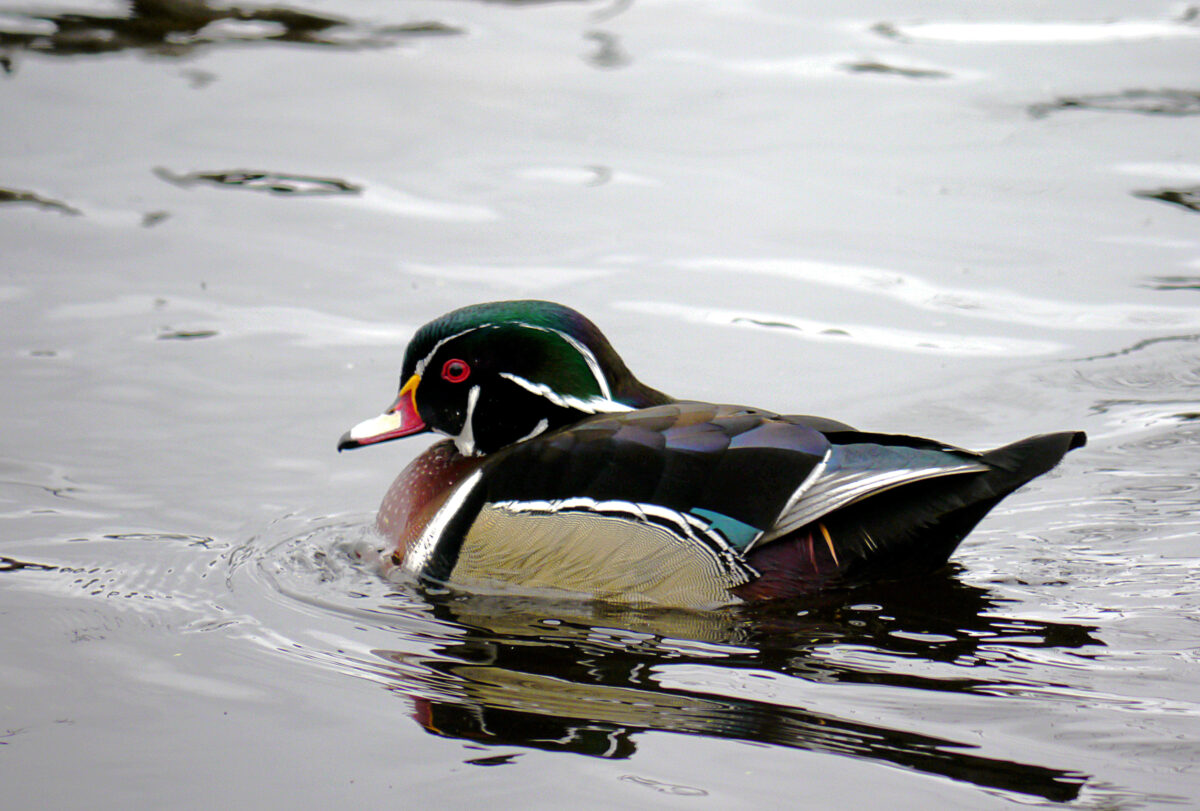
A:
[864, 334]
[995, 305]
[1048, 32]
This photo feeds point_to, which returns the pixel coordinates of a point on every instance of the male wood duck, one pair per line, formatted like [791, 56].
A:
[564, 472]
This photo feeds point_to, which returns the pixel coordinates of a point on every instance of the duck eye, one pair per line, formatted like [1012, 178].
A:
[455, 370]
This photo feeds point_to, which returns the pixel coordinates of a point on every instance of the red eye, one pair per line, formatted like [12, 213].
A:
[455, 370]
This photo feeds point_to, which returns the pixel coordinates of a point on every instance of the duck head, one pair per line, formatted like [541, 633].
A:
[492, 375]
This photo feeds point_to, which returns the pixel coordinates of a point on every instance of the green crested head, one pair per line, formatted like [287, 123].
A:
[493, 374]
[539, 341]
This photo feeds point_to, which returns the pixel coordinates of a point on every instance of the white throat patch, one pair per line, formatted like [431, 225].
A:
[465, 441]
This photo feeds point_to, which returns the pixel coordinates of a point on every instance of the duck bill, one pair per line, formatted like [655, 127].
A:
[401, 419]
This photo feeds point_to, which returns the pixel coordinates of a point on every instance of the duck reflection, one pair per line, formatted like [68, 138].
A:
[176, 27]
[590, 678]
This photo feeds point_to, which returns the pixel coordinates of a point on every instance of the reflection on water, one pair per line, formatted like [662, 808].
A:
[1148, 102]
[591, 679]
[177, 27]
[1188, 197]
[1149, 383]
[998, 305]
[1045, 32]
[272, 182]
[8, 564]
[1173, 283]
[22, 196]
[206, 319]
[608, 53]
[875, 66]
[811, 329]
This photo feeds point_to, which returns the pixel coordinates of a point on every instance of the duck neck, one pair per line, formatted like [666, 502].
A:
[636, 394]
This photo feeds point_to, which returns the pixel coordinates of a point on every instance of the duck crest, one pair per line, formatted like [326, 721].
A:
[580, 357]
[566, 473]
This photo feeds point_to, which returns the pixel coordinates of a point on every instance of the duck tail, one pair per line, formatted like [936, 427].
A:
[905, 531]
[1034, 456]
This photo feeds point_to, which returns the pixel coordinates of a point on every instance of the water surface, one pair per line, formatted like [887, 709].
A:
[220, 226]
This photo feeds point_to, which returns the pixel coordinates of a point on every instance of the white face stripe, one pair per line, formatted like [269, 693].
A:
[587, 355]
[423, 362]
[542, 425]
[592, 405]
[417, 558]
[589, 358]
[465, 441]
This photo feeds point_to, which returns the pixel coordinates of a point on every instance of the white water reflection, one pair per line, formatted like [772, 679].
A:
[192, 318]
[1139, 419]
[1047, 32]
[584, 176]
[995, 305]
[838, 65]
[1168, 171]
[395, 202]
[864, 334]
[530, 277]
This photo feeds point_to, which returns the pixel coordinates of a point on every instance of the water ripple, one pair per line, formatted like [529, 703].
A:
[862, 334]
[1048, 32]
[995, 305]
[205, 318]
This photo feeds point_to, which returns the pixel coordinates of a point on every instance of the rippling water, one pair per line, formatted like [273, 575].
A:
[219, 227]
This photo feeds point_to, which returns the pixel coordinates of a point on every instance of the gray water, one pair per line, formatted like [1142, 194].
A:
[218, 229]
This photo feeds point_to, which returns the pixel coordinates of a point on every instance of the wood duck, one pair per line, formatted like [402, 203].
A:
[564, 473]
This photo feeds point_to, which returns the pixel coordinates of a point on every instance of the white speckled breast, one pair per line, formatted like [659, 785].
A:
[418, 492]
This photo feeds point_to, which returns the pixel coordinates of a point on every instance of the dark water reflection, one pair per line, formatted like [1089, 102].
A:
[264, 181]
[26, 197]
[178, 27]
[592, 681]
[1185, 197]
[1167, 102]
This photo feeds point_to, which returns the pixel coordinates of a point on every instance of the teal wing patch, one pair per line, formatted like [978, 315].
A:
[739, 534]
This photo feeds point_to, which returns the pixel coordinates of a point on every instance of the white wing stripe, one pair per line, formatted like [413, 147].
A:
[845, 487]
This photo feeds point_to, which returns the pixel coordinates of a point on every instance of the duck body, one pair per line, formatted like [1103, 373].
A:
[566, 474]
